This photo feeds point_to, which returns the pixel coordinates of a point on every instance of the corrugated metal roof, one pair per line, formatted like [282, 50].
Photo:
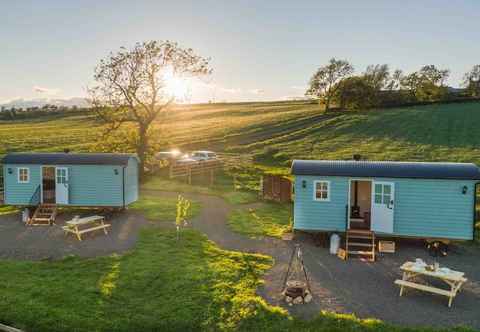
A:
[120, 159]
[387, 169]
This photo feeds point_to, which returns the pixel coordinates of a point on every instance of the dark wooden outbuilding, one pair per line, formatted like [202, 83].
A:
[276, 188]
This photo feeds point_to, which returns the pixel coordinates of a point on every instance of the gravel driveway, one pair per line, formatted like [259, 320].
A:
[354, 286]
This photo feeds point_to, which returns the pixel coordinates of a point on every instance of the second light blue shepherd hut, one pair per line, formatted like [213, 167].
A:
[411, 199]
[70, 179]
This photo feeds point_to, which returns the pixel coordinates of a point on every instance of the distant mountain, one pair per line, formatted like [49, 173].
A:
[39, 102]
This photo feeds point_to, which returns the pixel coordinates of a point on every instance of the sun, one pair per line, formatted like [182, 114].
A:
[176, 87]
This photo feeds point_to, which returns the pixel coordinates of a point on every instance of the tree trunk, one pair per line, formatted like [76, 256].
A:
[142, 148]
[327, 104]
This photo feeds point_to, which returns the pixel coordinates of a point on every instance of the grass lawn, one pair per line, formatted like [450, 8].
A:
[162, 209]
[223, 188]
[268, 219]
[162, 285]
[7, 210]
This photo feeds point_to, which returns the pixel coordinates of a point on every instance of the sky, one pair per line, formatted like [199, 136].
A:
[259, 50]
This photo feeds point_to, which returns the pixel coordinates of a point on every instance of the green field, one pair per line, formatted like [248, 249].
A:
[278, 132]
[163, 284]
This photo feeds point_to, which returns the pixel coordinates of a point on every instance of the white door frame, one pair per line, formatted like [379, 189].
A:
[393, 193]
[349, 208]
[41, 183]
[67, 184]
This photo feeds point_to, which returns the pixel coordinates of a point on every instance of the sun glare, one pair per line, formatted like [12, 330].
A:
[176, 87]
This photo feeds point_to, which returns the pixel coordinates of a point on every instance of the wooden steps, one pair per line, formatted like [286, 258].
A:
[45, 214]
[361, 243]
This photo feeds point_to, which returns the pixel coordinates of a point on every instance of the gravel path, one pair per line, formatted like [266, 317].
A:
[49, 242]
[363, 288]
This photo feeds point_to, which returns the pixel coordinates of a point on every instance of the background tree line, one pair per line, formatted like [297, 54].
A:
[336, 84]
[16, 113]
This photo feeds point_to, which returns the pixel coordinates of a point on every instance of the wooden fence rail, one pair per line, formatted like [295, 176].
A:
[187, 169]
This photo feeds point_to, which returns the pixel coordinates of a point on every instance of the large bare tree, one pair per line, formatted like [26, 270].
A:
[131, 87]
[324, 83]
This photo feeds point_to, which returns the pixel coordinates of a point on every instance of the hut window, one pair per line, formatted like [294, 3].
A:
[322, 191]
[23, 175]
[383, 193]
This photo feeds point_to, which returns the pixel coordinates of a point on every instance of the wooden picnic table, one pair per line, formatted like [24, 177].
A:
[454, 279]
[92, 223]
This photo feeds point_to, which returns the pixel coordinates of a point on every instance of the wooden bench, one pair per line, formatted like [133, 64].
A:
[94, 223]
[455, 280]
[404, 283]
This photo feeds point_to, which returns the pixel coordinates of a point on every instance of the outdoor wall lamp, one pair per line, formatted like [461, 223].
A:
[115, 171]
[304, 184]
[10, 171]
[464, 190]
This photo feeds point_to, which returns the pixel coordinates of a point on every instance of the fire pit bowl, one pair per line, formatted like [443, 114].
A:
[294, 292]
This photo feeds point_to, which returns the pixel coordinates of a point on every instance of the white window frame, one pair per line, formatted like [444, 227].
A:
[19, 170]
[315, 191]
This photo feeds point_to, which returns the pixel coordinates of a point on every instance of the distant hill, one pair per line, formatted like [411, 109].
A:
[274, 133]
[39, 102]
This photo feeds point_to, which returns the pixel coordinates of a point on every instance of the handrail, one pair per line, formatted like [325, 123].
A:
[346, 218]
[2, 189]
[35, 199]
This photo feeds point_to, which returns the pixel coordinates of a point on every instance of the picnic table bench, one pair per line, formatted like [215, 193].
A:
[85, 225]
[454, 279]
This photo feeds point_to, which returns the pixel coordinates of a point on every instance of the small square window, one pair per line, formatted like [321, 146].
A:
[23, 175]
[321, 191]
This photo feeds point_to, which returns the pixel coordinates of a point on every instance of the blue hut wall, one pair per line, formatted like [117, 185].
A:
[423, 208]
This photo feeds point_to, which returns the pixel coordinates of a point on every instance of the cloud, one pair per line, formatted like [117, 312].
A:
[218, 88]
[299, 87]
[229, 90]
[45, 91]
[257, 91]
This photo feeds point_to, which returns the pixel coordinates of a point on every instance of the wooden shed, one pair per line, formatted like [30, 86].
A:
[276, 188]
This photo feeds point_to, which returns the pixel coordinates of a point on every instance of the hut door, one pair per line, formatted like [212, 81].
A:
[383, 197]
[61, 188]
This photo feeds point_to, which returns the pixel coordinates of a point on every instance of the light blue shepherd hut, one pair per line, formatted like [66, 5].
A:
[70, 179]
[404, 199]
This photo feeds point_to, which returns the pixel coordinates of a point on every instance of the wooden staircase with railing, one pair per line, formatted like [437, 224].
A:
[44, 214]
[2, 190]
[361, 243]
